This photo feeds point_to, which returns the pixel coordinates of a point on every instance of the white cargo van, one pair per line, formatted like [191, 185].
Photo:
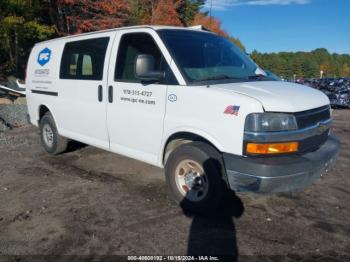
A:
[184, 99]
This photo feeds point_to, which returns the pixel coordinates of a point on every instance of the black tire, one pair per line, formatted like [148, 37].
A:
[211, 162]
[59, 144]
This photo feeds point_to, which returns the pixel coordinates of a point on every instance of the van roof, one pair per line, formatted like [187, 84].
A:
[154, 27]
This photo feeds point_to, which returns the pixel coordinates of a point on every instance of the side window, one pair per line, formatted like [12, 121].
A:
[133, 44]
[86, 66]
[84, 59]
[73, 64]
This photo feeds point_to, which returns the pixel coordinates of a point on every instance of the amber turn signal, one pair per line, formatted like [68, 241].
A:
[275, 148]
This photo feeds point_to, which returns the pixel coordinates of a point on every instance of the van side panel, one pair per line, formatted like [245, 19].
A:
[74, 103]
[204, 111]
[42, 78]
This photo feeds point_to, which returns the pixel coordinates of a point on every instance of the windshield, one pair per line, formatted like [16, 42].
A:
[207, 57]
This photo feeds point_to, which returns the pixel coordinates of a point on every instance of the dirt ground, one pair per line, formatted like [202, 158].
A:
[91, 202]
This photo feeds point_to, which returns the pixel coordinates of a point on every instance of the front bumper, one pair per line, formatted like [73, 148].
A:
[280, 173]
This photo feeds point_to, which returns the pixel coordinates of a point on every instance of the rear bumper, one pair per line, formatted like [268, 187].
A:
[280, 173]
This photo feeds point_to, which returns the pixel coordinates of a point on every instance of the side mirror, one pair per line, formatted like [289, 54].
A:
[144, 68]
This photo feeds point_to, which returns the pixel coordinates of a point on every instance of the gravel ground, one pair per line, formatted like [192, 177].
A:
[92, 202]
[14, 115]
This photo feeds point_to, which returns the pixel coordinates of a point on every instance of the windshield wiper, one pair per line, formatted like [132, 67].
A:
[259, 77]
[218, 77]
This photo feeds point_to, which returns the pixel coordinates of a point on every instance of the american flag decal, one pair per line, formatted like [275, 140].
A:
[232, 110]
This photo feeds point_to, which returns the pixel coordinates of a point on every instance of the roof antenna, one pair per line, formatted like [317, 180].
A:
[211, 6]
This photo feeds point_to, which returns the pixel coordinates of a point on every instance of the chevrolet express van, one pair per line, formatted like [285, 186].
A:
[184, 99]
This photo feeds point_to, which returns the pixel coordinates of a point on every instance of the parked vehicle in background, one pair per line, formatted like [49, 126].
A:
[183, 99]
[337, 90]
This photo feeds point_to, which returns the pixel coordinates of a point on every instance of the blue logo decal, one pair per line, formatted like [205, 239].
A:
[172, 97]
[44, 56]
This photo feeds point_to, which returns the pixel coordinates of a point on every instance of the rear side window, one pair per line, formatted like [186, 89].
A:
[133, 44]
[84, 59]
[86, 66]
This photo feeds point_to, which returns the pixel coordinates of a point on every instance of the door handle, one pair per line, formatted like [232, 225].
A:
[100, 93]
[110, 94]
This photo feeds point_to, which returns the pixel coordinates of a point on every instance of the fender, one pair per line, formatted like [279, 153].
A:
[187, 129]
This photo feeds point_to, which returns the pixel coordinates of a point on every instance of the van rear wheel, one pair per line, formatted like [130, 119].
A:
[52, 142]
[194, 177]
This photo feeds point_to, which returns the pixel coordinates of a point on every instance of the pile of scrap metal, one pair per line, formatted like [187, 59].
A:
[337, 89]
[13, 111]
[12, 89]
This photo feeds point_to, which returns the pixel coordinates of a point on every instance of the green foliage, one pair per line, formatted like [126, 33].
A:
[188, 10]
[304, 64]
[138, 10]
[36, 31]
[19, 30]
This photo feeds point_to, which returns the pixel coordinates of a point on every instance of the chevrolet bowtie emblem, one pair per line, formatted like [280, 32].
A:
[321, 128]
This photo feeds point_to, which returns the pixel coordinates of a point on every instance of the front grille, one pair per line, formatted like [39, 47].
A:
[312, 117]
[313, 143]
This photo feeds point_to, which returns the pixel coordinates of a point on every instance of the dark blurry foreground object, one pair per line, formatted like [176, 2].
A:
[213, 231]
[337, 90]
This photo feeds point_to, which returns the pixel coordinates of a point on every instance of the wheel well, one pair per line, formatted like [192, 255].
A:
[181, 138]
[42, 111]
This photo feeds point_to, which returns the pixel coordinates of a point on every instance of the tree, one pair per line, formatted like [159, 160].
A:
[324, 68]
[19, 30]
[25, 22]
[304, 64]
[189, 9]
[310, 68]
[165, 13]
[139, 11]
[88, 15]
[345, 70]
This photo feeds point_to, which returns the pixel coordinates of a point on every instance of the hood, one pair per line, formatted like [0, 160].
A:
[278, 96]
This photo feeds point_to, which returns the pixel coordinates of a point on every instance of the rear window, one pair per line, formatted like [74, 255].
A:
[84, 59]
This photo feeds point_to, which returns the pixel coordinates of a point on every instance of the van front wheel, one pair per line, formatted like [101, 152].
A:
[194, 176]
[52, 142]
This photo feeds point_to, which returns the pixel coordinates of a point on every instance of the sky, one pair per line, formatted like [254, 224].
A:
[286, 25]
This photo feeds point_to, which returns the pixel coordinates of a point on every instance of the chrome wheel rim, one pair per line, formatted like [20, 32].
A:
[191, 180]
[48, 135]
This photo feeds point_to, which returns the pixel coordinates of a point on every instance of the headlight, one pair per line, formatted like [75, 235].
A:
[267, 122]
